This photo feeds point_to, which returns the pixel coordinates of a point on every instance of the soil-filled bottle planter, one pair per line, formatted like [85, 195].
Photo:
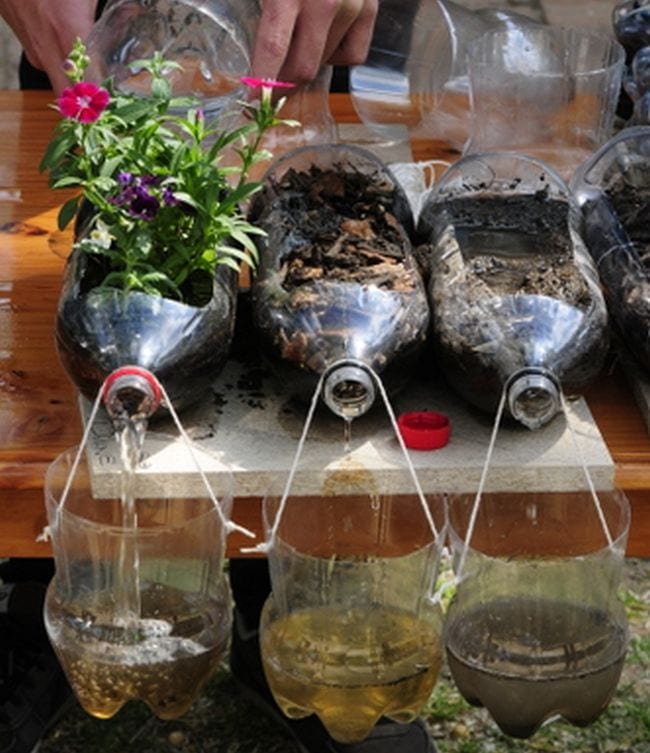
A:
[100, 329]
[613, 188]
[515, 296]
[337, 285]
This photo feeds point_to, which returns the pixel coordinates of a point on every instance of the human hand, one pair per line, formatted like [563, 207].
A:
[47, 30]
[296, 37]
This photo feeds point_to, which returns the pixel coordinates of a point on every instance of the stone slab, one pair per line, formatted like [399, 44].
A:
[254, 430]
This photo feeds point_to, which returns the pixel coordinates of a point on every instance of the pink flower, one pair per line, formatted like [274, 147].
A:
[84, 101]
[268, 83]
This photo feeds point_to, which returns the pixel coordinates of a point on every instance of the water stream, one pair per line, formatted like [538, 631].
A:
[130, 433]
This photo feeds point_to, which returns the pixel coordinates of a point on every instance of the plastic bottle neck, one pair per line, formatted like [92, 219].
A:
[348, 390]
[533, 397]
[131, 392]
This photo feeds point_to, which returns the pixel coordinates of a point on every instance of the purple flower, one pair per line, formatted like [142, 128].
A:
[135, 195]
[145, 206]
[169, 198]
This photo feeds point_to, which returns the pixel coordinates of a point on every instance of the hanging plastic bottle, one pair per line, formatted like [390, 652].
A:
[338, 290]
[352, 630]
[139, 607]
[515, 297]
[536, 630]
[613, 189]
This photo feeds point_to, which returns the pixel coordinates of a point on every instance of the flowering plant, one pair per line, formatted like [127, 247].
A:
[156, 202]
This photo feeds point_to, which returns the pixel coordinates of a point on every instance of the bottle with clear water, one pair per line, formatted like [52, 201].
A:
[211, 40]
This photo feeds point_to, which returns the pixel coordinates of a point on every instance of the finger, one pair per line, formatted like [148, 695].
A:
[346, 16]
[58, 79]
[308, 47]
[353, 47]
[273, 39]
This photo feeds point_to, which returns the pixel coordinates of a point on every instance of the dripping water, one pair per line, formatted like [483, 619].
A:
[347, 434]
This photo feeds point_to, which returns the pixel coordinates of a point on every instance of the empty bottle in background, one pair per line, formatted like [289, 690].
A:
[338, 290]
[515, 298]
[414, 82]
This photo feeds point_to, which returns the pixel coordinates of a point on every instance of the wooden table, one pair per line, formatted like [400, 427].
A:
[38, 405]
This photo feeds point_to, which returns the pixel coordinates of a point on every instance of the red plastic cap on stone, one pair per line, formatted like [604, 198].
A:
[424, 430]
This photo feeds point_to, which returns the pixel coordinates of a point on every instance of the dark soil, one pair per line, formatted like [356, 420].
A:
[348, 227]
[626, 272]
[632, 205]
[535, 256]
[337, 276]
[505, 276]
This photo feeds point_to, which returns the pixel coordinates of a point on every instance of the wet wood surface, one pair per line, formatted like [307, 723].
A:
[38, 405]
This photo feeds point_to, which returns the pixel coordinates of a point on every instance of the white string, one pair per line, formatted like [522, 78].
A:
[479, 492]
[400, 439]
[590, 483]
[229, 525]
[264, 546]
[80, 449]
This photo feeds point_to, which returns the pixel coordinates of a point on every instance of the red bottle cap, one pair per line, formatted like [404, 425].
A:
[424, 430]
[123, 371]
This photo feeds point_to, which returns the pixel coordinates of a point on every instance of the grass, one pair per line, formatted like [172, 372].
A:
[221, 720]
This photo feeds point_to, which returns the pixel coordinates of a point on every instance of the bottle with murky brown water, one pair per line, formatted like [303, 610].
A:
[536, 630]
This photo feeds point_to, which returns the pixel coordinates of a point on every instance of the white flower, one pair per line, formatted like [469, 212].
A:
[100, 236]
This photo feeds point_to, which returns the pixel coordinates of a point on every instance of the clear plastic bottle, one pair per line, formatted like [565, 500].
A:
[536, 629]
[338, 291]
[515, 297]
[100, 330]
[613, 189]
[211, 40]
[414, 79]
[139, 607]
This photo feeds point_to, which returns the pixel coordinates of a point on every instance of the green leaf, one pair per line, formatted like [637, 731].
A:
[56, 150]
[247, 242]
[134, 110]
[110, 166]
[229, 262]
[160, 88]
[68, 212]
[235, 253]
[67, 181]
